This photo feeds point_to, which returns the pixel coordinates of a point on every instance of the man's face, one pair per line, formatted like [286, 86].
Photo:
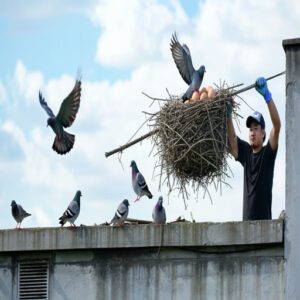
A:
[256, 135]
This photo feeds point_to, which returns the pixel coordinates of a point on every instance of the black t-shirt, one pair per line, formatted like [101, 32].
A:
[258, 180]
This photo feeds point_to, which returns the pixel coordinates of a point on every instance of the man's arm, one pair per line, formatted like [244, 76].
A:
[262, 87]
[232, 139]
[274, 134]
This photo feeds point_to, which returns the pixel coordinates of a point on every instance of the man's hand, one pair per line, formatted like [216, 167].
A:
[262, 87]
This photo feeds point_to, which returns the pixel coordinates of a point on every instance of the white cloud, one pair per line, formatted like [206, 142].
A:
[37, 168]
[28, 83]
[39, 218]
[131, 31]
[222, 35]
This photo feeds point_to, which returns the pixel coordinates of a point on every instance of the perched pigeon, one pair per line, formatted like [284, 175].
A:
[159, 213]
[138, 182]
[63, 141]
[183, 60]
[121, 213]
[18, 213]
[72, 212]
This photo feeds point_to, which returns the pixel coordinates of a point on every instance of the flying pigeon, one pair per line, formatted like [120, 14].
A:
[63, 141]
[19, 213]
[138, 182]
[121, 213]
[72, 212]
[183, 60]
[159, 213]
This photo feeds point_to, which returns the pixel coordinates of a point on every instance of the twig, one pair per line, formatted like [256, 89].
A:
[155, 99]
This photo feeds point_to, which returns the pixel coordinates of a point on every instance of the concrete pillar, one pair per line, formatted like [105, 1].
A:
[292, 193]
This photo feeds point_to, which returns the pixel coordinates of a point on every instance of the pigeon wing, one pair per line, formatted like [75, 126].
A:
[45, 106]
[141, 181]
[22, 212]
[122, 209]
[73, 209]
[182, 57]
[70, 106]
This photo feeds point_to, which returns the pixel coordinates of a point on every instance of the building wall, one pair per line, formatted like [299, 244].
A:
[292, 241]
[251, 270]
[173, 274]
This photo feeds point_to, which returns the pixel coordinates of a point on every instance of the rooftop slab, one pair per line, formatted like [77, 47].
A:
[139, 236]
[291, 42]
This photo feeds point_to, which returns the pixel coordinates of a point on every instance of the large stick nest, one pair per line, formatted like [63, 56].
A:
[192, 142]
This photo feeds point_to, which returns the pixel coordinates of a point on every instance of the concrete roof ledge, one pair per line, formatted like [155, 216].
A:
[139, 236]
[291, 42]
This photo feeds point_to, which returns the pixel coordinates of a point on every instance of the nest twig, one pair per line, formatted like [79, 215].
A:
[191, 142]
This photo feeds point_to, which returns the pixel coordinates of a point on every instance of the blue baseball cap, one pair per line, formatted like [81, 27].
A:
[256, 117]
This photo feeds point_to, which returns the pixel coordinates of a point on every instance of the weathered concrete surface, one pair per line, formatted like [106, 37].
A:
[136, 236]
[228, 261]
[143, 273]
[292, 240]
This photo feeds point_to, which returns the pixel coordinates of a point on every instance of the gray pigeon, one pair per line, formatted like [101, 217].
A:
[63, 141]
[121, 213]
[72, 212]
[183, 60]
[159, 213]
[19, 213]
[138, 182]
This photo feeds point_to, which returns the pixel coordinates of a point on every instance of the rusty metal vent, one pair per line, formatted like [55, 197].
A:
[33, 279]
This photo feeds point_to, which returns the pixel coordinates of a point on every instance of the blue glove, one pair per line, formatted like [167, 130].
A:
[262, 87]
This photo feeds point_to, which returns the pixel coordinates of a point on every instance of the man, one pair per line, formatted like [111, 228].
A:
[258, 160]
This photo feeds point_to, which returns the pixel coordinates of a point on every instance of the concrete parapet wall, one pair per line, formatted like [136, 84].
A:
[234, 260]
[137, 236]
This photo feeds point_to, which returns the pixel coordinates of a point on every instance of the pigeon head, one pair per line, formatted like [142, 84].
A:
[202, 70]
[13, 203]
[50, 122]
[126, 202]
[77, 196]
[134, 166]
[159, 202]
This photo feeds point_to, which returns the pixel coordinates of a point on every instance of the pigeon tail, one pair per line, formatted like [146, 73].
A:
[189, 93]
[114, 219]
[185, 97]
[149, 195]
[64, 144]
[63, 220]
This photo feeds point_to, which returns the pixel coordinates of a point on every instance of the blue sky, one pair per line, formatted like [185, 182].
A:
[121, 50]
[64, 40]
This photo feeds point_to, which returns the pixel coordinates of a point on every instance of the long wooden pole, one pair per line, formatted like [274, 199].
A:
[121, 148]
[249, 87]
